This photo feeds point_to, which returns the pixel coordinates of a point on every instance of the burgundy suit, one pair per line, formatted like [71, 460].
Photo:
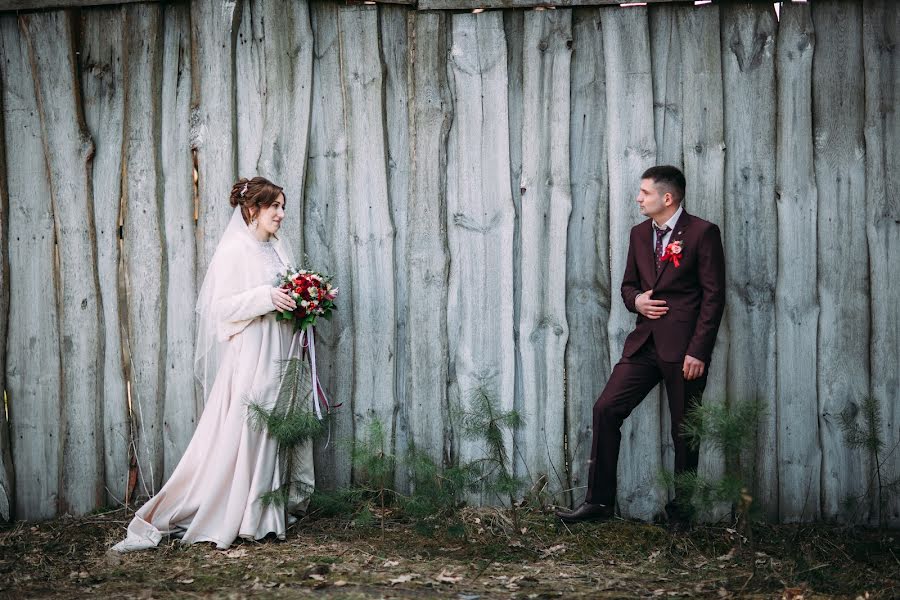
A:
[694, 292]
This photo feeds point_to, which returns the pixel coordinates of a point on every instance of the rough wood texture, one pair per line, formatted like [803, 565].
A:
[44, 4]
[881, 29]
[144, 242]
[103, 98]
[703, 139]
[274, 78]
[546, 205]
[67, 151]
[588, 292]
[213, 29]
[748, 65]
[470, 4]
[394, 52]
[327, 235]
[182, 408]
[796, 301]
[479, 221]
[7, 474]
[843, 349]
[33, 377]
[631, 149]
[371, 230]
[427, 256]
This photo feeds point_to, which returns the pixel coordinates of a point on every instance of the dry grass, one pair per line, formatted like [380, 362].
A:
[66, 558]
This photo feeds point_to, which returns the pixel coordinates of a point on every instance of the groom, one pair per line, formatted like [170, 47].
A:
[675, 281]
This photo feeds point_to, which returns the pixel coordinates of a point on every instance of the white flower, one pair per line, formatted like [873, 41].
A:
[313, 291]
[675, 247]
[304, 303]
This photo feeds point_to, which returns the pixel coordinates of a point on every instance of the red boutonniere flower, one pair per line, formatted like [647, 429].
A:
[672, 253]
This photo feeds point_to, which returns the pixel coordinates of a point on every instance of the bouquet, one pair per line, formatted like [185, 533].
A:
[313, 294]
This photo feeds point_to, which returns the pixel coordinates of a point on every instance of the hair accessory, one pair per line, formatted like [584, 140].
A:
[244, 190]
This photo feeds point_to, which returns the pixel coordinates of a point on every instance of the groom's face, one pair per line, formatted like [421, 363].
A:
[652, 200]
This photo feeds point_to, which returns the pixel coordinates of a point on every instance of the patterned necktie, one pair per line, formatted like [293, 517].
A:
[660, 234]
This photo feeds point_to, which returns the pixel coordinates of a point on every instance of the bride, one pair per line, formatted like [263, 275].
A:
[214, 493]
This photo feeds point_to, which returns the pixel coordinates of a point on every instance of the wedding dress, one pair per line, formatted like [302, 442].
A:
[214, 493]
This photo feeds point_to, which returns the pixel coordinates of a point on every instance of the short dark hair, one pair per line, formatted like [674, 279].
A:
[670, 177]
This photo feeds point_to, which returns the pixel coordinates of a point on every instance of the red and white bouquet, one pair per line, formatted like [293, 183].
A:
[313, 294]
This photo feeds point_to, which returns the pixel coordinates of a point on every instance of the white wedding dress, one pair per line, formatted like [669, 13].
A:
[214, 493]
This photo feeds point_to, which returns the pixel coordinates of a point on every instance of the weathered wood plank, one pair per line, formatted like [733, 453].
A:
[587, 262]
[668, 74]
[103, 96]
[428, 260]
[470, 4]
[33, 377]
[881, 24]
[703, 139]
[514, 32]
[748, 65]
[326, 223]
[394, 52]
[796, 303]
[479, 221]
[371, 230]
[7, 473]
[214, 25]
[68, 149]
[631, 149]
[274, 75]
[10, 5]
[143, 250]
[546, 205]
[843, 281]
[182, 408]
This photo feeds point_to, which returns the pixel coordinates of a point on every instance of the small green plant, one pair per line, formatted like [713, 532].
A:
[731, 429]
[869, 438]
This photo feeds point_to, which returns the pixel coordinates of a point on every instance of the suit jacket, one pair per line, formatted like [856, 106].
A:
[694, 291]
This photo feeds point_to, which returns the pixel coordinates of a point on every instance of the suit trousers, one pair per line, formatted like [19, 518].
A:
[630, 382]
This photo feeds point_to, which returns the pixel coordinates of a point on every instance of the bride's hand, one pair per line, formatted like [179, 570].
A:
[282, 301]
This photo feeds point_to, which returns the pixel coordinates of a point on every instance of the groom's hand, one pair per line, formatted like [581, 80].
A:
[693, 368]
[652, 309]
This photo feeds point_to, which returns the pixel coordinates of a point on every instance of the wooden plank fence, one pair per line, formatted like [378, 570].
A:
[469, 179]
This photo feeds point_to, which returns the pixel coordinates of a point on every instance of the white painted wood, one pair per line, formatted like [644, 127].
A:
[838, 109]
[144, 250]
[182, 407]
[430, 112]
[103, 99]
[274, 85]
[546, 205]
[796, 302]
[703, 139]
[214, 25]
[394, 52]
[631, 149]
[587, 263]
[68, 149]
[748, 65]
[881, 24]
[327, 234]
[33, 376]
[479, 221]
[371, 230]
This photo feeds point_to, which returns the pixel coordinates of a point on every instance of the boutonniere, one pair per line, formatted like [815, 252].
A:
[673, 253]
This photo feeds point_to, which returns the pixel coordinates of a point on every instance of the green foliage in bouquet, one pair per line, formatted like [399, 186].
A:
[730, 429]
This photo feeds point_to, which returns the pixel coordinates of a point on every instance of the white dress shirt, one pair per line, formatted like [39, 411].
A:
[671, 225]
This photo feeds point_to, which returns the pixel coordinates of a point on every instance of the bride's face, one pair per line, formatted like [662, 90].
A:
[270, 217]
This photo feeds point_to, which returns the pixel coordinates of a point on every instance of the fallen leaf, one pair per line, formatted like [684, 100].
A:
[340, 583]
[402, 578]
[236, 553]
[446, 576]
[316, 577]
[390, 563]
[185, 581]
[553, 550]
[654, 555]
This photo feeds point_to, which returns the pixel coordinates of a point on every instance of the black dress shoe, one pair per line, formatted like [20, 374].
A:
[586, 512]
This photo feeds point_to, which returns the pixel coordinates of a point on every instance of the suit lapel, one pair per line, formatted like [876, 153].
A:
[646, 251]
[677, 235]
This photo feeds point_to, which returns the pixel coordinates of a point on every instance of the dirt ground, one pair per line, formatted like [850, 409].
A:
[485, 557]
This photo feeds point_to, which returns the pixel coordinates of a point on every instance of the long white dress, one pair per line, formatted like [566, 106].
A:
[214, 493]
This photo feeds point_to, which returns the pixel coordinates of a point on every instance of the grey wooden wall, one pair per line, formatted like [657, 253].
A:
[469, 179]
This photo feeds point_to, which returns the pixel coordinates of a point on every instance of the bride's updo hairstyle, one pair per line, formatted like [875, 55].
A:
[254, 194]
